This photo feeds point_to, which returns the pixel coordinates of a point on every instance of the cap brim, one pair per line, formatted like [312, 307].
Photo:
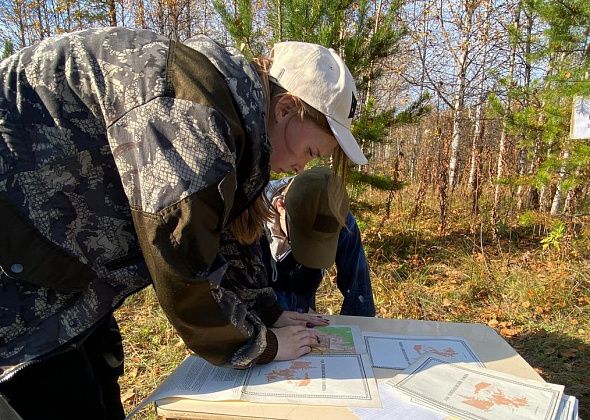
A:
[313, 253]
[347, 142]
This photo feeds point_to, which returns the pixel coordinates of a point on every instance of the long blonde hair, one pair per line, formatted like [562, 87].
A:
[249, 225]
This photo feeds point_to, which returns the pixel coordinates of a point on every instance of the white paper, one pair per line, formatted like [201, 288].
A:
[197, 379]
[314, 379]
[568, 408]
[338, 379]
[399, 351]
[475, 393]
[396, 408]
[580, 128]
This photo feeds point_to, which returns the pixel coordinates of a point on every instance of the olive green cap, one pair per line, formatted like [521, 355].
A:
[315, 201]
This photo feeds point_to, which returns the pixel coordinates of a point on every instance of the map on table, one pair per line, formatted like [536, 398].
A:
[322, 379]
[472, 392]
[400, 351]
[339, 339]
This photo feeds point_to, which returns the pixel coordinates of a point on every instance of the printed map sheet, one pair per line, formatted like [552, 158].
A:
[399, 351]
[314, 379]
[339, 339]
[197, 379]
[470, 392]
[337, 372]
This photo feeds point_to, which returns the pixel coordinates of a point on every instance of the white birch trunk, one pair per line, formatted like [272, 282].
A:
[543, 192]
[478, 129]
[504, 132]
[459, 97]
[557, 198]
[458, 102]
[475, 144]
[417, 139]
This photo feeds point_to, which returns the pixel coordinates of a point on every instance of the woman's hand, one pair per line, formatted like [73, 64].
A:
[294, 341]
[295, 318]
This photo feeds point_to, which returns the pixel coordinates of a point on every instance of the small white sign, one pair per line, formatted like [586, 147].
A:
[580, 128]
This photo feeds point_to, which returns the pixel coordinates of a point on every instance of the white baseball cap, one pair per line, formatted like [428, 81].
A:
[319, 77]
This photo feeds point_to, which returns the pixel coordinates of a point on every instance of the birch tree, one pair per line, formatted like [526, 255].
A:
[500, 166]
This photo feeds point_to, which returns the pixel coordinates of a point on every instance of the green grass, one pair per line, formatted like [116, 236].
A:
[539, 301]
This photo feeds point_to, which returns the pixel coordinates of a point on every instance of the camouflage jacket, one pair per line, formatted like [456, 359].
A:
[115, 142]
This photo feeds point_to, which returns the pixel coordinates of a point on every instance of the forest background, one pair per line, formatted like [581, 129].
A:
[475, 204]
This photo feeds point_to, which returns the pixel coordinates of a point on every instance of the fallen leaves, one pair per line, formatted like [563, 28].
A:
[128, 396]
[510, 332]
[505, 328]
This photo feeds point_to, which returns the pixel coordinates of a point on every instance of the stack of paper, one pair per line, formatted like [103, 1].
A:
[444, 376]
[433, 385]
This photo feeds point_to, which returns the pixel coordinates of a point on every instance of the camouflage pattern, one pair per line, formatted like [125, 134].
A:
[249, 96]
[244, 278]
[87, 132]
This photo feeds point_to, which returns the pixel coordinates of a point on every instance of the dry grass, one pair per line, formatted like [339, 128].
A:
[538, 300]
[152, 349]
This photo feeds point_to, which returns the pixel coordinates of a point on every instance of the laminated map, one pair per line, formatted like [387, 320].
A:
[337, 372]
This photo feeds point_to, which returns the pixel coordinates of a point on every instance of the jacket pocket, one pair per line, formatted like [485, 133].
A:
[26, 255]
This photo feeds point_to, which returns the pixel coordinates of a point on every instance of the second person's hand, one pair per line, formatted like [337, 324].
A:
[295, 318]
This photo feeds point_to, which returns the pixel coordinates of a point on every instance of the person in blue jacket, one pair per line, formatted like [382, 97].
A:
[311, 229]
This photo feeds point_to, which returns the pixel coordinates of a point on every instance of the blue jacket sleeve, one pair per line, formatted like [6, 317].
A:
[353, 278]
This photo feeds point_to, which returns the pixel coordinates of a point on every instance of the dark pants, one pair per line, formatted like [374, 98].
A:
[77, 384]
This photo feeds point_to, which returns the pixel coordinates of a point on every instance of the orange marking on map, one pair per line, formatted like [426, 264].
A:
[305, 381]
[480, 386]
[289, 373]
[491, 397]
[448, 352]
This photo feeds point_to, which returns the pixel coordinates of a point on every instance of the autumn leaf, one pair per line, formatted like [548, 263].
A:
[128, 396]
[509, 332]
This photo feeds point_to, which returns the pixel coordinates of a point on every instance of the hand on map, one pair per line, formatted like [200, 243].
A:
[294, 341]
[295, 318]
